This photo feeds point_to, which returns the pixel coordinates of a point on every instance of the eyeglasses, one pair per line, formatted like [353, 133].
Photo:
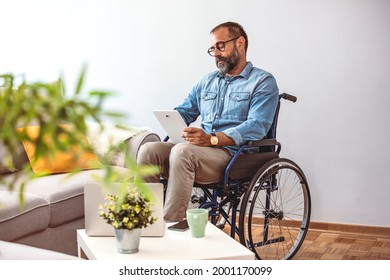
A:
[220, 46]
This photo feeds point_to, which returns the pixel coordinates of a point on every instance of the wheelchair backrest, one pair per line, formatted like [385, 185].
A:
[272, 131]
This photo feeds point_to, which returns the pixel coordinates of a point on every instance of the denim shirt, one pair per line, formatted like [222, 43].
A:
[242, 107]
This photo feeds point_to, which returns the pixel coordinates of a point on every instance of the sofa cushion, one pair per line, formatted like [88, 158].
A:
[63, 192]
[61, 239]
[75, 158]
[16, 222]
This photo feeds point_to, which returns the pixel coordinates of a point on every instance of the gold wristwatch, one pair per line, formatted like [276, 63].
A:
[213, 139]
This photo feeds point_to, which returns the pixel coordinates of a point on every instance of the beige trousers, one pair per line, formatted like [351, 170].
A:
[182, 164]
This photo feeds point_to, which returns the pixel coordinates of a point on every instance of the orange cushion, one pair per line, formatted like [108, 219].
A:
[76, 158]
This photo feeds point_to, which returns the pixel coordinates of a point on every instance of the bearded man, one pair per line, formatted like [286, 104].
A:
[237, 103]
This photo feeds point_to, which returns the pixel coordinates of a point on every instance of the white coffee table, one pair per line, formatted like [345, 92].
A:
[173, 245]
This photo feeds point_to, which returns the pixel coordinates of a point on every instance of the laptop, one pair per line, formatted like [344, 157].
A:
[94, 194]
[173, 124]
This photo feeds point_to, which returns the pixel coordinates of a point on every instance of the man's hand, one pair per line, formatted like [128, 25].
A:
[197, 136]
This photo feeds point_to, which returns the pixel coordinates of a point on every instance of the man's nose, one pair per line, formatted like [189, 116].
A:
[217, 52]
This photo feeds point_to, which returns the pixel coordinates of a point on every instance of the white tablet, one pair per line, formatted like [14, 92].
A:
[173, 124]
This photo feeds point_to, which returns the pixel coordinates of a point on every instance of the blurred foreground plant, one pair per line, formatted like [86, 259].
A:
[48, 106]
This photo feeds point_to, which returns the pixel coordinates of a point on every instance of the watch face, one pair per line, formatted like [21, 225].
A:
[214, 140]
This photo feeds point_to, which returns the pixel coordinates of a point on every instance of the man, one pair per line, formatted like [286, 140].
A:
[237, 103]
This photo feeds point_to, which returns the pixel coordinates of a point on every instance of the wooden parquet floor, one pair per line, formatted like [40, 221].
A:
[334, 245]
[324, 245]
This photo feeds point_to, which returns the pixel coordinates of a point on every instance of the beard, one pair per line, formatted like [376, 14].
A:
[226, 64]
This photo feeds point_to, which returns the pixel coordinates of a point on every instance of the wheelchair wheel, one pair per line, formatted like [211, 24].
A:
[275, 211]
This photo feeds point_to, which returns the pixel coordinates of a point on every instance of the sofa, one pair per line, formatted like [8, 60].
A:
[53, 204]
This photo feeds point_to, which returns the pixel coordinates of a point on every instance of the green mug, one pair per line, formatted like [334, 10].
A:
[197, 220]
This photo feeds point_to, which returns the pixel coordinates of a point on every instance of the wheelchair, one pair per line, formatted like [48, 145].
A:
[264, 199]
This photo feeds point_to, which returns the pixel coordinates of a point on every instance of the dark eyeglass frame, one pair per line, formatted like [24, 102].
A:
[220, 46]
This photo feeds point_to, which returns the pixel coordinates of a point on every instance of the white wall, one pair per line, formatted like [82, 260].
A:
[333, 55]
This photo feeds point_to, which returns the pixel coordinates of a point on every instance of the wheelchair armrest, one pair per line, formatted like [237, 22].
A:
[262, 143]
[265, 143]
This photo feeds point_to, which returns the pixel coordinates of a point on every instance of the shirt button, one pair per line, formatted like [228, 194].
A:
[213, 129]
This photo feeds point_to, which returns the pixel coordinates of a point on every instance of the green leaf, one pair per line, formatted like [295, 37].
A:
[21, 195]
[100, 93]
[81, 80]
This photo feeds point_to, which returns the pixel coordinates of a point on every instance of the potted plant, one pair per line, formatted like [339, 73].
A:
[128, 212]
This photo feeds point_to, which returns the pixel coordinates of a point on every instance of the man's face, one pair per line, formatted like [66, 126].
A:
[227, 59]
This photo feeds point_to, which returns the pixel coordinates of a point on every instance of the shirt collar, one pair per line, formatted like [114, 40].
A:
[247, 70]
[245, 73]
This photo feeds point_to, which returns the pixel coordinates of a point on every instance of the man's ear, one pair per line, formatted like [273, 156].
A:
[241, 42]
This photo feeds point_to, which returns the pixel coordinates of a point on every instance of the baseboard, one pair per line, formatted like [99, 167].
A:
[357, 229]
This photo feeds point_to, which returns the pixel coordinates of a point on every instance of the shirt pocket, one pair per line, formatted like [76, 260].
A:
[208, 105]
[238, 105]
[208, 95]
